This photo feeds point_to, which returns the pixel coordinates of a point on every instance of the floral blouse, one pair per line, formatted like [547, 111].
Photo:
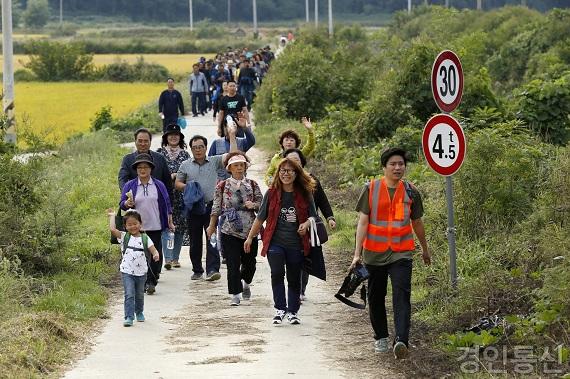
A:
[177, 196]
[234, 218]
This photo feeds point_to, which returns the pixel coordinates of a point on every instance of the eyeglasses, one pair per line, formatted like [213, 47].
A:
[284, 171]
[199, 147]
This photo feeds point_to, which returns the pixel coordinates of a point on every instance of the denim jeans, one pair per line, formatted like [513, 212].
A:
[134, 294]
[246, 90]
[197, 225]
[400, 273]
[174, 253]
[285, 261]
[200, 98]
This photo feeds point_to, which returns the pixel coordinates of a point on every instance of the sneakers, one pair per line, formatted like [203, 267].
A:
[235, 300]
[213, 276]
[168, 265]
[381, 345]
[140, 317]
[128, 321]
[150, 290]
[175, 264]
[400, 350]
[246, 294]
[293, 318]
[279, 316]
[196, 276]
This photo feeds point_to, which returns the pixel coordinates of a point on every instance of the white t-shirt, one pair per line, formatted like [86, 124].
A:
[134, 260]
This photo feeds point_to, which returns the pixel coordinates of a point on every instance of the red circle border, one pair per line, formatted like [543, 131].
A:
[462, 144]
[446, 54]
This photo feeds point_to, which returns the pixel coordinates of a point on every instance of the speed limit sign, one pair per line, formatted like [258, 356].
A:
[444, 144]
[447, 81]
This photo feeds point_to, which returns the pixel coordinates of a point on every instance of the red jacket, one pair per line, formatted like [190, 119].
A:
[274, 208]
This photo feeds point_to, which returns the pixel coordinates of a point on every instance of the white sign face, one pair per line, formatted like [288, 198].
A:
[448, 81]
[443, 141]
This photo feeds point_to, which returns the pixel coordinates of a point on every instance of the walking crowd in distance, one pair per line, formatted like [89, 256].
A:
[186, 191]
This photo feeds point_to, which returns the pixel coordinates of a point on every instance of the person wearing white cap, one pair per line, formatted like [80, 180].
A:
[235, 202]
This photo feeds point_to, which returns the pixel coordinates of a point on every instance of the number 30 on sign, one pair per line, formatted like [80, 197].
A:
[444, 144]
[447, 81]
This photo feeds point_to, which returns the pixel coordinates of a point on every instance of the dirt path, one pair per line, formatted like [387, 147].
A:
[191, 330]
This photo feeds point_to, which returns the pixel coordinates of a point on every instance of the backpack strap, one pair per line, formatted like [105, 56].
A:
[409, 189]
[126, 239]
[145, 245]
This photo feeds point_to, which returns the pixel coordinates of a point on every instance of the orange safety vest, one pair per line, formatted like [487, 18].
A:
[389, 225]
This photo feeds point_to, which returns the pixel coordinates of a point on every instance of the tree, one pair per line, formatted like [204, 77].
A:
[16, 13]
[36, 14]
[52, 61]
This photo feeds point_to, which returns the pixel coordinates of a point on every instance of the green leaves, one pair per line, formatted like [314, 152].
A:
[545, 105]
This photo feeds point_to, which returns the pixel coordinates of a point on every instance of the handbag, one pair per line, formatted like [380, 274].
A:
[318, 231]
[181, 122]
[119, 225]
[314, 263]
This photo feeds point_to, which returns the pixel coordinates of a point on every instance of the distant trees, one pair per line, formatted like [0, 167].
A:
[216, 10]
[36, 14]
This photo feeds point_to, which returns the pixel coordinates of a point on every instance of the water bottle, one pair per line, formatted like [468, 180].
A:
[213, 240]
[230, 121]
[170, 243]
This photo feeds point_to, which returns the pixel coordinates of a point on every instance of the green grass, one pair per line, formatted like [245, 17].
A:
[43, 317]
[74, 298]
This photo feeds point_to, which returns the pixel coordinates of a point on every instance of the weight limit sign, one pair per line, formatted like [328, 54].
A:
[443, 143]
[447, 81]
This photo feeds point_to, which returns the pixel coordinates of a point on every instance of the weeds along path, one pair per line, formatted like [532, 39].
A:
[191, 330]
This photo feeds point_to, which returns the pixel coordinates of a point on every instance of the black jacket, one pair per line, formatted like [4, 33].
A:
[169, 103]
[321, 200]
[160, 170]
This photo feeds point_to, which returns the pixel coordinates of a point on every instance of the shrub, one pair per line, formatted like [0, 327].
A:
[23, 75]
[544, 105]
[67, 29]
[497, 184]
[36, 14]
[299, 84]
[53, 61]
[103, 118]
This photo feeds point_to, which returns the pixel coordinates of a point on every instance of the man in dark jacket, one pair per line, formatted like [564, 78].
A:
[246, 82]
[160, 170]
[169, 102]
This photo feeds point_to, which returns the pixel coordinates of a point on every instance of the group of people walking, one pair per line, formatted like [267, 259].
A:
[173, 197]
[225, 84]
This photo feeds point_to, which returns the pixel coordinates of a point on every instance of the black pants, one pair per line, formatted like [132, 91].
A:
[154, 267]
[304, 281]
[241, 265]
[197, 225]
[400, 273]
[167, 121]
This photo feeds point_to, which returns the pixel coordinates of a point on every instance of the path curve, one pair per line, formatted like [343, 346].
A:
[192, 331]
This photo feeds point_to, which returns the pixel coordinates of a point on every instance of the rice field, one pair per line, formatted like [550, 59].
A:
[59, 110]
[177, 64]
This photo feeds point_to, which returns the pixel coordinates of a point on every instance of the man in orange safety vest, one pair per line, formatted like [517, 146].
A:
[390, 211]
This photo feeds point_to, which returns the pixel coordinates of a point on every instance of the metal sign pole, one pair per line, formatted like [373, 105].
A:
[7, 52]
[451, 231]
